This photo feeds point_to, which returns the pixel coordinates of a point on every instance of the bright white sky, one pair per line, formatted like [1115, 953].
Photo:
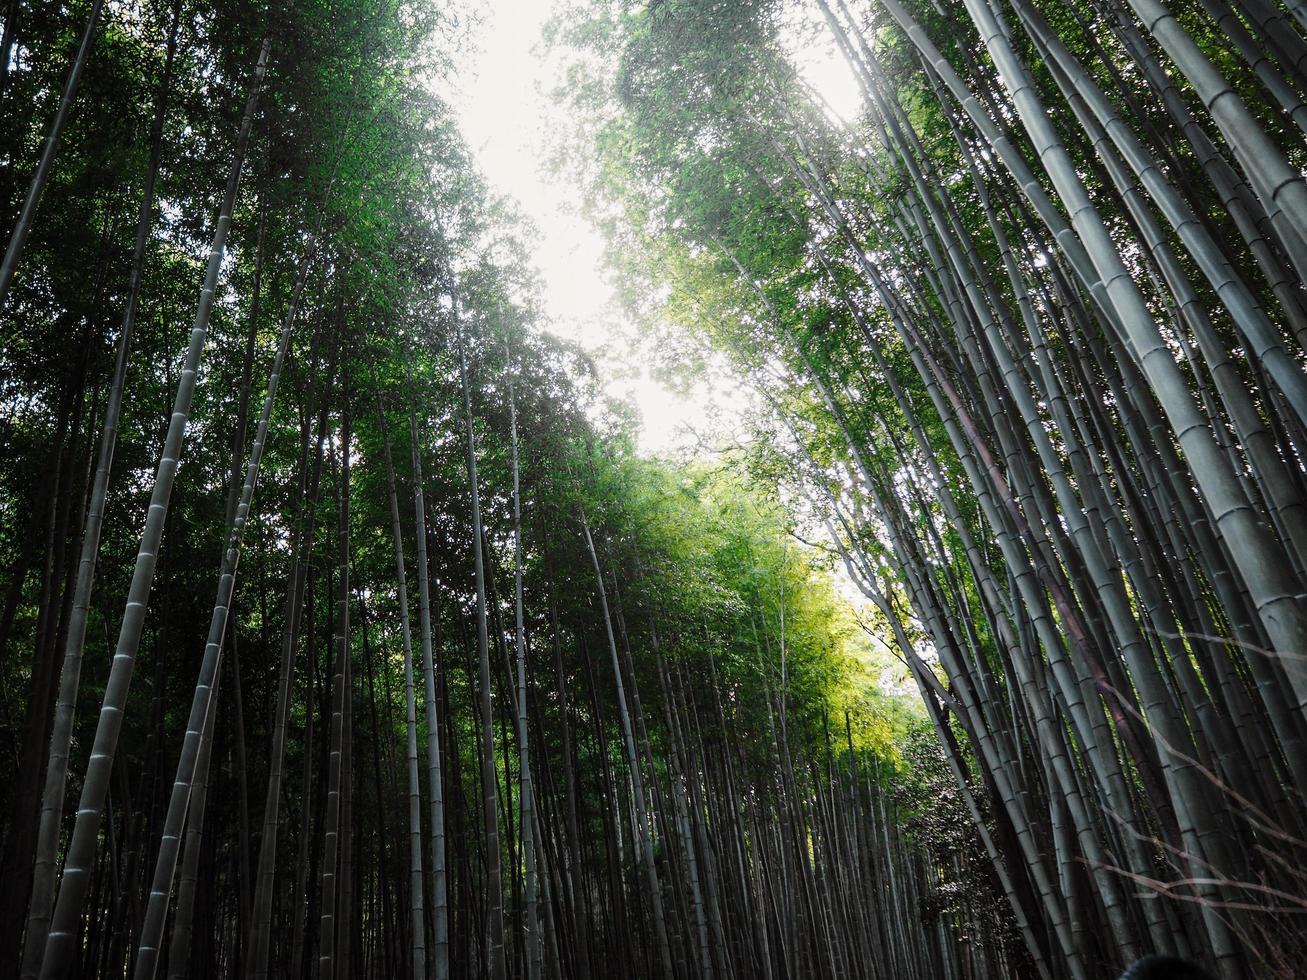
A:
[505, 114]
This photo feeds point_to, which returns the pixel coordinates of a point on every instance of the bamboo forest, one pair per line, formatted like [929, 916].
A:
[887, 559]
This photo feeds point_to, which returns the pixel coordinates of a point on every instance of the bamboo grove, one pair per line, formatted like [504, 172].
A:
[1027, 334]
[344, 633]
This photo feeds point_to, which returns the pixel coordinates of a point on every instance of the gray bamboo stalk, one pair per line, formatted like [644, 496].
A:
[439, 884]
[1255, 439]
[489, 778]
[1285, 43]
[1274, 179]
[633, 763]
[418, 924]
[524, 767]
[1264, 339]
[680, 777]
[255, 963]
[1267, 72]
[985, 494]
[1142, 583]
[1258, 557]
[201, 703]
[346, 910]
[1128, 639]
[256, 959]
[327, 924]
[926, 683]
[63, 943]
[45, 872]
[179, 948]
[18, 237]
[298, 912]
[1236, 197]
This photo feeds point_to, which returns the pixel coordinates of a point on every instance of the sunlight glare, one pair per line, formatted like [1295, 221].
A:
[506, 116]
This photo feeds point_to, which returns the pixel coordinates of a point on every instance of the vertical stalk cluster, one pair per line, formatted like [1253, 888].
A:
[1029, 334]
